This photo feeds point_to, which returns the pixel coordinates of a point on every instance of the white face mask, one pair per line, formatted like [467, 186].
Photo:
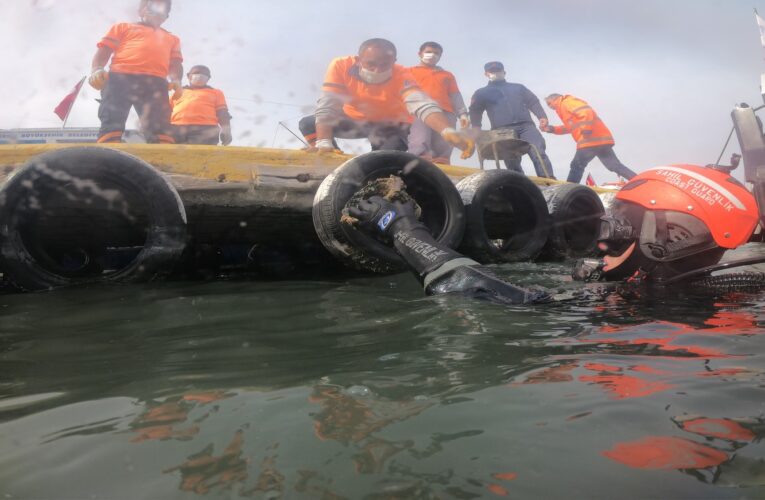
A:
[430, 58]
[158, 9]
[155, 13]
[198, 79]
[372, 77]
[493, 77]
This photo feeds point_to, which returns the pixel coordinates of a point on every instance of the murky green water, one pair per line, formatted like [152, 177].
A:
[367, 389]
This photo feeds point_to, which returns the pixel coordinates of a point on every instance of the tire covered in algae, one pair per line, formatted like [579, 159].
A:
[575, 211]
[88, 214]
[431, 189]
[506, 217]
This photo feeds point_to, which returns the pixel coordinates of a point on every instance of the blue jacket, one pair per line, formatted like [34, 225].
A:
[505, 103]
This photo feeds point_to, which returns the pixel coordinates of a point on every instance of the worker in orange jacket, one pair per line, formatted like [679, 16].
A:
[200, 114]
[593, 139]
[370, 96]
[442, 87]
[143, 57]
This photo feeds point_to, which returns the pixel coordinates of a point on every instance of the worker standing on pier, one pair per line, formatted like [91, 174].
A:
[442, 87]
[143, 57]
[370, 96]
[593, 139]
[200, 114]
[509, 106]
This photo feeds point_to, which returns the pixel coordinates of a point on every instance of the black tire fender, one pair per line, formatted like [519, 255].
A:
[63, 192]
[506, 217]
[575, 211]
[442, 210]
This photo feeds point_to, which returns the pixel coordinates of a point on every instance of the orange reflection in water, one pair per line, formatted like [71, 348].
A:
[160, 422]
[721, 428]
[203, 471]
[665, 452]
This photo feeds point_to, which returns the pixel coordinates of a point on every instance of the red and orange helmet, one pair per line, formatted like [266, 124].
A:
[673, 219]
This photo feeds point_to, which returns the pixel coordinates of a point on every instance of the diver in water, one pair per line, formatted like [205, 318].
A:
[439, 268]
[672, 224]
[667, 225]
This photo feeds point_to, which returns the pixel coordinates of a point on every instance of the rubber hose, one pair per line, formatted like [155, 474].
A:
[747, 280]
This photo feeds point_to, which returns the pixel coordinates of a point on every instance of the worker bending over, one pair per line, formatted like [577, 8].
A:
[509, 106]
[593, 139]
[370, 96]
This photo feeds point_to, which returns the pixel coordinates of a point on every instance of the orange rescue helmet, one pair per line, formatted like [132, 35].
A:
[670, 220]
[718, 200]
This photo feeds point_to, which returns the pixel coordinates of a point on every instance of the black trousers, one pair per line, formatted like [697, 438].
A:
[148, 94]
[606, 156]
[382, 135]
[528, 132]
[196, 134]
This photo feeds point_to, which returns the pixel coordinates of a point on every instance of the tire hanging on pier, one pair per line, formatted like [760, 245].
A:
[432, 190]
[506, 217]
[575, 212]
[88, 214]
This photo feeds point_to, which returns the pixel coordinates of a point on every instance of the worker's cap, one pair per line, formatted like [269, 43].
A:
[200, 69]
[493, 66]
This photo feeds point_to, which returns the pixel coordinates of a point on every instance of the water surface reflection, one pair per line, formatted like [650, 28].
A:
[365, 389]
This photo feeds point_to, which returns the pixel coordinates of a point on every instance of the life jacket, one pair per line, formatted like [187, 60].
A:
[581, 121]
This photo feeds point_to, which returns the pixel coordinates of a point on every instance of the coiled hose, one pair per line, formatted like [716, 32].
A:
[733, 281]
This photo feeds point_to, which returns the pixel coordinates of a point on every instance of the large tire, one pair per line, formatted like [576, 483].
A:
[506, 217]
[575, 211]
[88, 214]
[442, 210]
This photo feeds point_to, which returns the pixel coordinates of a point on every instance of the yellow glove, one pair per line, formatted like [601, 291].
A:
[176, 88]
[459, 140]
[98, 78]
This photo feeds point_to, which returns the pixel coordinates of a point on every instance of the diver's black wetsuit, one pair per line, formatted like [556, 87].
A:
[439, 268]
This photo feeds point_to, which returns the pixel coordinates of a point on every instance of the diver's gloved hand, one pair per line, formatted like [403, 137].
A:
[376, 214]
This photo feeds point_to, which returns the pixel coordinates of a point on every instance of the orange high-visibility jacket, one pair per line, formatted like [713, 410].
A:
[581, 121]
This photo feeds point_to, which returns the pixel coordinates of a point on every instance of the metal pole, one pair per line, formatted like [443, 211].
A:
[726, 146]
[293, 133]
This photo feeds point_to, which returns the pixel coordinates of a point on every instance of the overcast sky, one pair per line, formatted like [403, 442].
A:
[663, 74]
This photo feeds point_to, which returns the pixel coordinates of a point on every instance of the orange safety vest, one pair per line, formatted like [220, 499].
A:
[383, 102]
[581, 121]
[438, 83]
[198, 106]
[141, 50]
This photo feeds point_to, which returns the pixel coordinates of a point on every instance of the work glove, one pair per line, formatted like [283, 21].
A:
[459, 140]
[464, 122]
[98, 78]
[176, 88]
[225, 136]
[378, 215]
